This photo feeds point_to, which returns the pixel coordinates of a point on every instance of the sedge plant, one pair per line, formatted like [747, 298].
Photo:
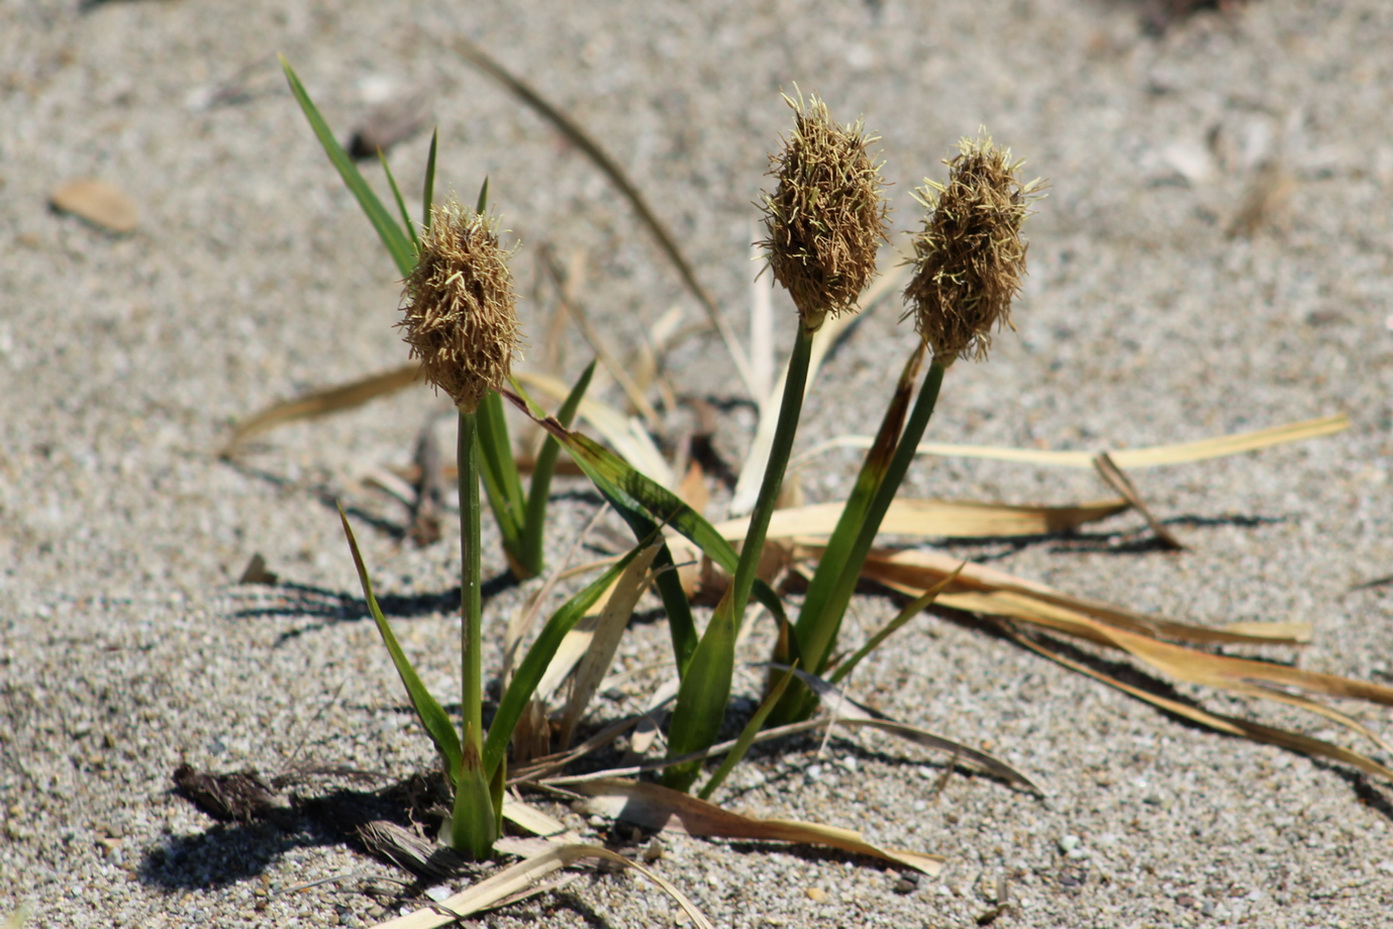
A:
[825, 220]
[969, 259]
[520, 515]
[459, 318]
[461, 322]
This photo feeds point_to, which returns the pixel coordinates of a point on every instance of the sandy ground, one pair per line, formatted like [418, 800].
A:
[126, 646]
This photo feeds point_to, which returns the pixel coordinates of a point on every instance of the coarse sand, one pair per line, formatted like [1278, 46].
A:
[1215, 255]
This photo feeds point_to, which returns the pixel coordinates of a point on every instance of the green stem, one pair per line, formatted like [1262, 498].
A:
[473, 824]
[471, 598]
[815, 642]
[705, 688]
[790, 409]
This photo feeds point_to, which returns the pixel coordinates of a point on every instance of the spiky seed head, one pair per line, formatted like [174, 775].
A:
[460, 313]
[969, 257]
[827, 216]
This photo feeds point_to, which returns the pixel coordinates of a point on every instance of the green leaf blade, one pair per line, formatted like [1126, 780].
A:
[703, 695]
[534, 663]
[393, 237]
[433, 717]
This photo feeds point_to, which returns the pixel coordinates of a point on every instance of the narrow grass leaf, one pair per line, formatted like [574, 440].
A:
[522, 876]
[393, 237]
[633, 445]
[428, 185]
[534, 663]
[604, 639]
[401, 202]
[473, 819]
[502, 483]
[833, 331]
[839, 570]
[645, 504]
[747, 735]
[539, 490]
[704, 693]
[911, 610]
[657, 807]
[432, 716]
[756, 459]
[526, 616]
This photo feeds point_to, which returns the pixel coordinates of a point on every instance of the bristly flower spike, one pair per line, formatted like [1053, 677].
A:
[970, 257]
[827, 217]
[460, 313]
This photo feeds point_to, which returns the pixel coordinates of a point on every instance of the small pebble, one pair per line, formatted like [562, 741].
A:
[907, 883]
[816, 894]
[1068, 843]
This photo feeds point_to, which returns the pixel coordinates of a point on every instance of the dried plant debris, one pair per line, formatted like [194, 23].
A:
[102, 204]
[1265, 202]
[241, 797]
[410, 851]
[257, 573]
[428, 503]
[1160, 15]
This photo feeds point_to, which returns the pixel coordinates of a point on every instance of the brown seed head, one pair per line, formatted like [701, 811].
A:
[969, 258]
[460, 315]
[826, 218]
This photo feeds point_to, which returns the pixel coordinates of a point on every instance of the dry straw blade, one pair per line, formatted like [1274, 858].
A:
[1229, 725]
[522, 876]
[1155, 456]
[1242, 676]
[657, 807]
[913, 572]
[912, 517]
[324, 402]
[599, 643]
